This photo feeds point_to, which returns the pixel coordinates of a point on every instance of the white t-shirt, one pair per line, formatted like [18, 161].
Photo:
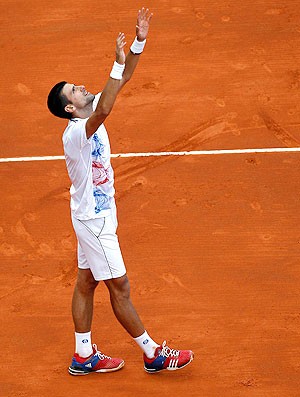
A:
[88, 164]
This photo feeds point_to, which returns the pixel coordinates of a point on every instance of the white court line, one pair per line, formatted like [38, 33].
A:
[157, 154]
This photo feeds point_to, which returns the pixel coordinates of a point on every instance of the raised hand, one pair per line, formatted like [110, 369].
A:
[120, 54]
[142, 24]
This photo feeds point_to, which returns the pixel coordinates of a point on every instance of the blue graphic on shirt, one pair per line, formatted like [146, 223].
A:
[100, 175]
[102, 201]
[98, 148]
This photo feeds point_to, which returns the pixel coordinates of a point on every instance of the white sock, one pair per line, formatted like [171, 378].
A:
[83, 344]
[146, 344]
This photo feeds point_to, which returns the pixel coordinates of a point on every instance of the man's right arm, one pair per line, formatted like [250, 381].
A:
[109, 93]
[113, 85]
[142, 29]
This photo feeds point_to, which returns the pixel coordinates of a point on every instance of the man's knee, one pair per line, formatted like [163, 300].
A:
[119, 287]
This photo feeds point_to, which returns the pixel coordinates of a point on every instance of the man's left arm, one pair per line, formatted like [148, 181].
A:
[133, 56]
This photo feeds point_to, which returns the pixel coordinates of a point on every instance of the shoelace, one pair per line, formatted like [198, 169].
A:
[166, 351]
[99, 354]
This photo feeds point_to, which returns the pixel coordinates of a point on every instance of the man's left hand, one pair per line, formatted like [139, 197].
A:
[143, 22]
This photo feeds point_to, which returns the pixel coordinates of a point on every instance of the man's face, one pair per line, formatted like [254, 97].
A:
[77, 95]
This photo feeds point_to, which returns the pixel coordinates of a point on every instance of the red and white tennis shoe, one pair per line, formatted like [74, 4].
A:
[167, 358]
[97, 362]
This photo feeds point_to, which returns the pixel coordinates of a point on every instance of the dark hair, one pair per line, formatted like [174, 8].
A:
[57, 101]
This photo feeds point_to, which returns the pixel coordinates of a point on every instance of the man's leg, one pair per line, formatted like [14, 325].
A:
[87, 358]
[126, 314]
[83, 300]
[123, 308]
[82, 311]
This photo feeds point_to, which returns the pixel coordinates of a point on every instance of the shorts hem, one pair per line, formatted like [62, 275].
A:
[106, 277]
[110, 277]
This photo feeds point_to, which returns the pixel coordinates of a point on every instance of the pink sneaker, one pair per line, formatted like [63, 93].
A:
[166, 358]
[97, 362]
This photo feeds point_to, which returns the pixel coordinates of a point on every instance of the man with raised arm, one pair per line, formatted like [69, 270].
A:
[93, 209]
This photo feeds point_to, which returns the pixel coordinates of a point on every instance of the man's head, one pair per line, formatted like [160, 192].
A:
[68, 100]
[57, 101]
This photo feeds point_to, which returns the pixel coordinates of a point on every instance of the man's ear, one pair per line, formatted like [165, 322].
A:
[70, 108]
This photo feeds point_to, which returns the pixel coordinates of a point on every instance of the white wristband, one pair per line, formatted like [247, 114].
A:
[117, 71]
[137, 47]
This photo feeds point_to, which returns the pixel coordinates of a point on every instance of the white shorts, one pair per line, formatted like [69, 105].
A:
[98, 247]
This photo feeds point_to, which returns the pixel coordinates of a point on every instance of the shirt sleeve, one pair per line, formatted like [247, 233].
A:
[96, 100]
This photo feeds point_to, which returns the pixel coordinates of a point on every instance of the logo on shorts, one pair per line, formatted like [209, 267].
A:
[145, 341]
[84, 341]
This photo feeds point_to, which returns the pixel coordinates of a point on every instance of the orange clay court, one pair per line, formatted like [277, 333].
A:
[211, 242]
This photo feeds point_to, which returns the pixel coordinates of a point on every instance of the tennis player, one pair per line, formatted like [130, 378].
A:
[93, 211]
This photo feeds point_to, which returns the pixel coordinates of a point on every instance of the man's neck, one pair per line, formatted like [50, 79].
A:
[85, 112]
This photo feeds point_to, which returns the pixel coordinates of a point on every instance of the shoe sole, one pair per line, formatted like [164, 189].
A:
[154, 371]
[79, 372]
